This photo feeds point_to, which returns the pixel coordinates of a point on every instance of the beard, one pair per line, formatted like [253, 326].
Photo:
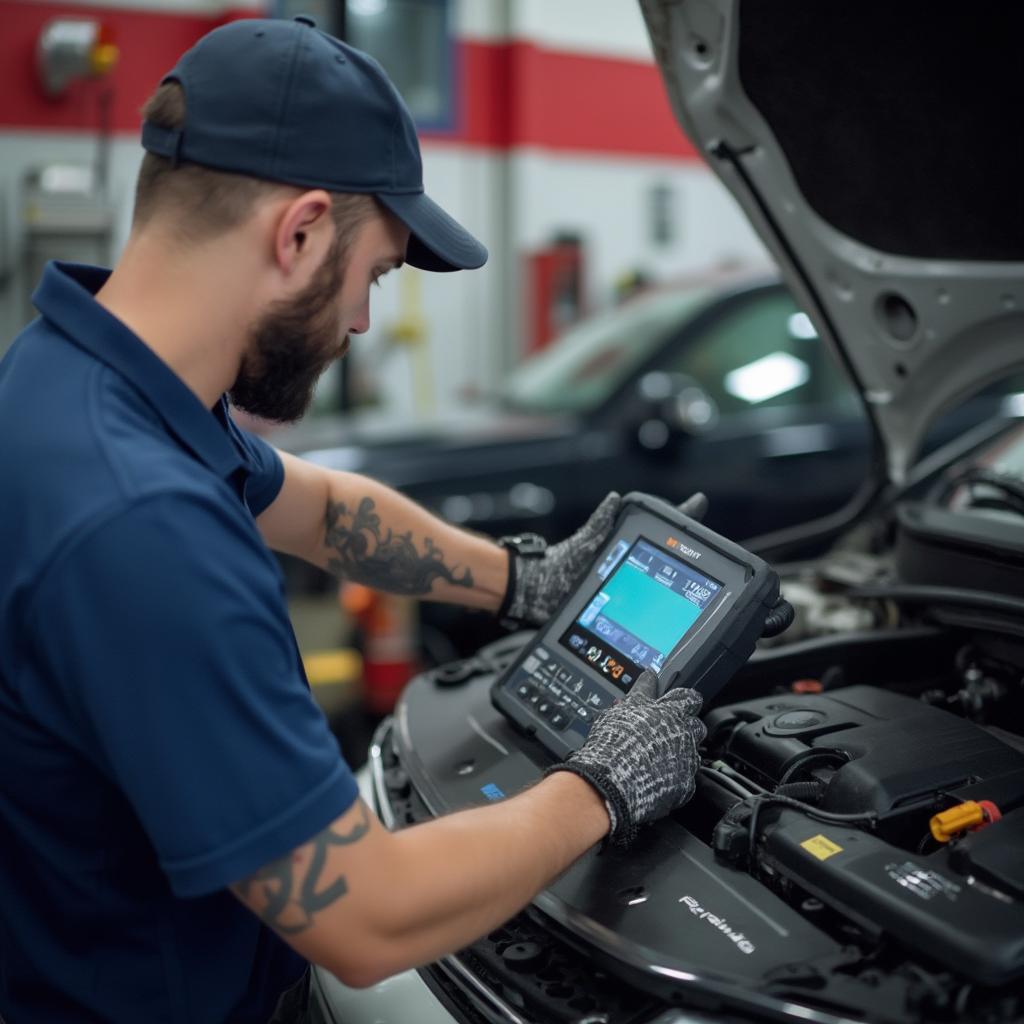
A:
[290, 346]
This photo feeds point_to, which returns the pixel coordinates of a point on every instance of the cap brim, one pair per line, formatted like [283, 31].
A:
[437, 241]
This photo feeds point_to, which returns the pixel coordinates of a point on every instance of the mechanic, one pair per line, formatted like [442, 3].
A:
[181, 835]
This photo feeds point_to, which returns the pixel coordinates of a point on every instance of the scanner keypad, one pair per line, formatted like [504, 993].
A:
[561, 697]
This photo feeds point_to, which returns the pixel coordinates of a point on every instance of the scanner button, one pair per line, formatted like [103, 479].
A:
[545, 709]
[584, 713]
[535, 696]
[523, 690]
[564, 675]
[531, 663]
[559, 720]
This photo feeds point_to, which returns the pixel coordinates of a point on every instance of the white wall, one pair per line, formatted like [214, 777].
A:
[611, 28]
[464, 313]
[608, 202]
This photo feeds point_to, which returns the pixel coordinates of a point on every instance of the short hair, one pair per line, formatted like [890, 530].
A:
[206, 202]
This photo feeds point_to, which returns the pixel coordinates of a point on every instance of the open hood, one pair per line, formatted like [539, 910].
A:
[875, 147]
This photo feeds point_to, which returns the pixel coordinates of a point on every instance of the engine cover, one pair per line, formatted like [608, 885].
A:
[799, 932]
[873, 751]
[664, 907]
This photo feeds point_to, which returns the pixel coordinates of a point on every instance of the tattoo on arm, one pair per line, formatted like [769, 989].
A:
[368, 553]
[293, 888]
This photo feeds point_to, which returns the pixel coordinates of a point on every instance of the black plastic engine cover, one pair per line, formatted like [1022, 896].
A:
[993, 855]
[921, 901]
[663, 907]
[881, 751]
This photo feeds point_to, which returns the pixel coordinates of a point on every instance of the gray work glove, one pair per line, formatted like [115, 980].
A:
[641, 755]
[538, 584]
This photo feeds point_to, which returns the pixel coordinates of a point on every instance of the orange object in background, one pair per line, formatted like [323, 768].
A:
[807, 686]
[388, 631]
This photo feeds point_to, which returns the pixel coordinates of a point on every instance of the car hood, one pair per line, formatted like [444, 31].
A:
[873, 147]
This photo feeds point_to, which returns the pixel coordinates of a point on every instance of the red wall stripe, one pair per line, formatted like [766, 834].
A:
[518, 94]
[510, 94]
[149, 44]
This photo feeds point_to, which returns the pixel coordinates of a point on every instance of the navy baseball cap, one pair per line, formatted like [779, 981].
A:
[282, 101]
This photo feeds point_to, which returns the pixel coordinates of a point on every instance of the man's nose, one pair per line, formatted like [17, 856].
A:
[361, 324]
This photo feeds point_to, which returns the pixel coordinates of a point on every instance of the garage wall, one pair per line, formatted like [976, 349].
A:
[561, 125]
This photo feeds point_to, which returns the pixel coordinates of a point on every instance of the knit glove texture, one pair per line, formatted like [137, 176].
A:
[541, 583]
[641, 755]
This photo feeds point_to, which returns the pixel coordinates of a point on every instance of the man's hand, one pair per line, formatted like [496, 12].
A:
[641, 755]
[537, 585]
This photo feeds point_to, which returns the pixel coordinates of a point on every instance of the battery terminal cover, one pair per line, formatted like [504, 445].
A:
[969, 816]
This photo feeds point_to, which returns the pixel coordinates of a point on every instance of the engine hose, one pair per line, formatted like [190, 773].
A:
[806, 792]
[779, 618]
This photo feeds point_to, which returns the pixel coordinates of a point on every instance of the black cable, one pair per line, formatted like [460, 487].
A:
[805, 792]
[918, 594]
[727, 769]
[723, 780]
[814, 754]
[811, 812]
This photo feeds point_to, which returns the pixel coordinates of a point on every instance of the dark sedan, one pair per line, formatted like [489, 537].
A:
[721, 386]
[718, 384]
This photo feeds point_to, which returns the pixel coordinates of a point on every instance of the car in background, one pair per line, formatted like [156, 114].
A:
[717, 383]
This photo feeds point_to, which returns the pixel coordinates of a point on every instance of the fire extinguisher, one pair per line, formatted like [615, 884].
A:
[388, 634]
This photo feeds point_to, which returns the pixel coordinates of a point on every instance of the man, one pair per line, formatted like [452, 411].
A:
[180, 834]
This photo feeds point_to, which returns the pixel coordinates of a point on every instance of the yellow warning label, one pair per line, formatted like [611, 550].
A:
[821, 847]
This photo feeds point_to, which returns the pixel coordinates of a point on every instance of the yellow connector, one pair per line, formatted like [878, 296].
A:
[955, 820]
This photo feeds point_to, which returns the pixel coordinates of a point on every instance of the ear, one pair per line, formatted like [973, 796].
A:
[304, 233]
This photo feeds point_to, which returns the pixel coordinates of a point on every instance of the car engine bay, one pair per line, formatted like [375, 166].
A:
[855, 846]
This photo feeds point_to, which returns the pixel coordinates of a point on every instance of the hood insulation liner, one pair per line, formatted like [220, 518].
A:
[876, 105]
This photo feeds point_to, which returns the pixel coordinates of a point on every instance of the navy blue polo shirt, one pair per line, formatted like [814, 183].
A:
[158, 739]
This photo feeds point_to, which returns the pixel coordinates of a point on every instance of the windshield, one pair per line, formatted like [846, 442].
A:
[582, 367]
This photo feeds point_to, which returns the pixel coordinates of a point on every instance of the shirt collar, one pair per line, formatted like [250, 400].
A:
[66, 298]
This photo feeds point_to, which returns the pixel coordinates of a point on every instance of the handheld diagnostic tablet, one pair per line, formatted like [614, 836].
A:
[664, 593]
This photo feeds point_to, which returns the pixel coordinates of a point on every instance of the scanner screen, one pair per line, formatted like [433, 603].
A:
[648, 601]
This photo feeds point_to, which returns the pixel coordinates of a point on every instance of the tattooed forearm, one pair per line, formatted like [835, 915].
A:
[368, 553]
[287, 892]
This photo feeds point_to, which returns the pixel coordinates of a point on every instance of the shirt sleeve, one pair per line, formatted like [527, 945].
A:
[165, 636]
[266, 471]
